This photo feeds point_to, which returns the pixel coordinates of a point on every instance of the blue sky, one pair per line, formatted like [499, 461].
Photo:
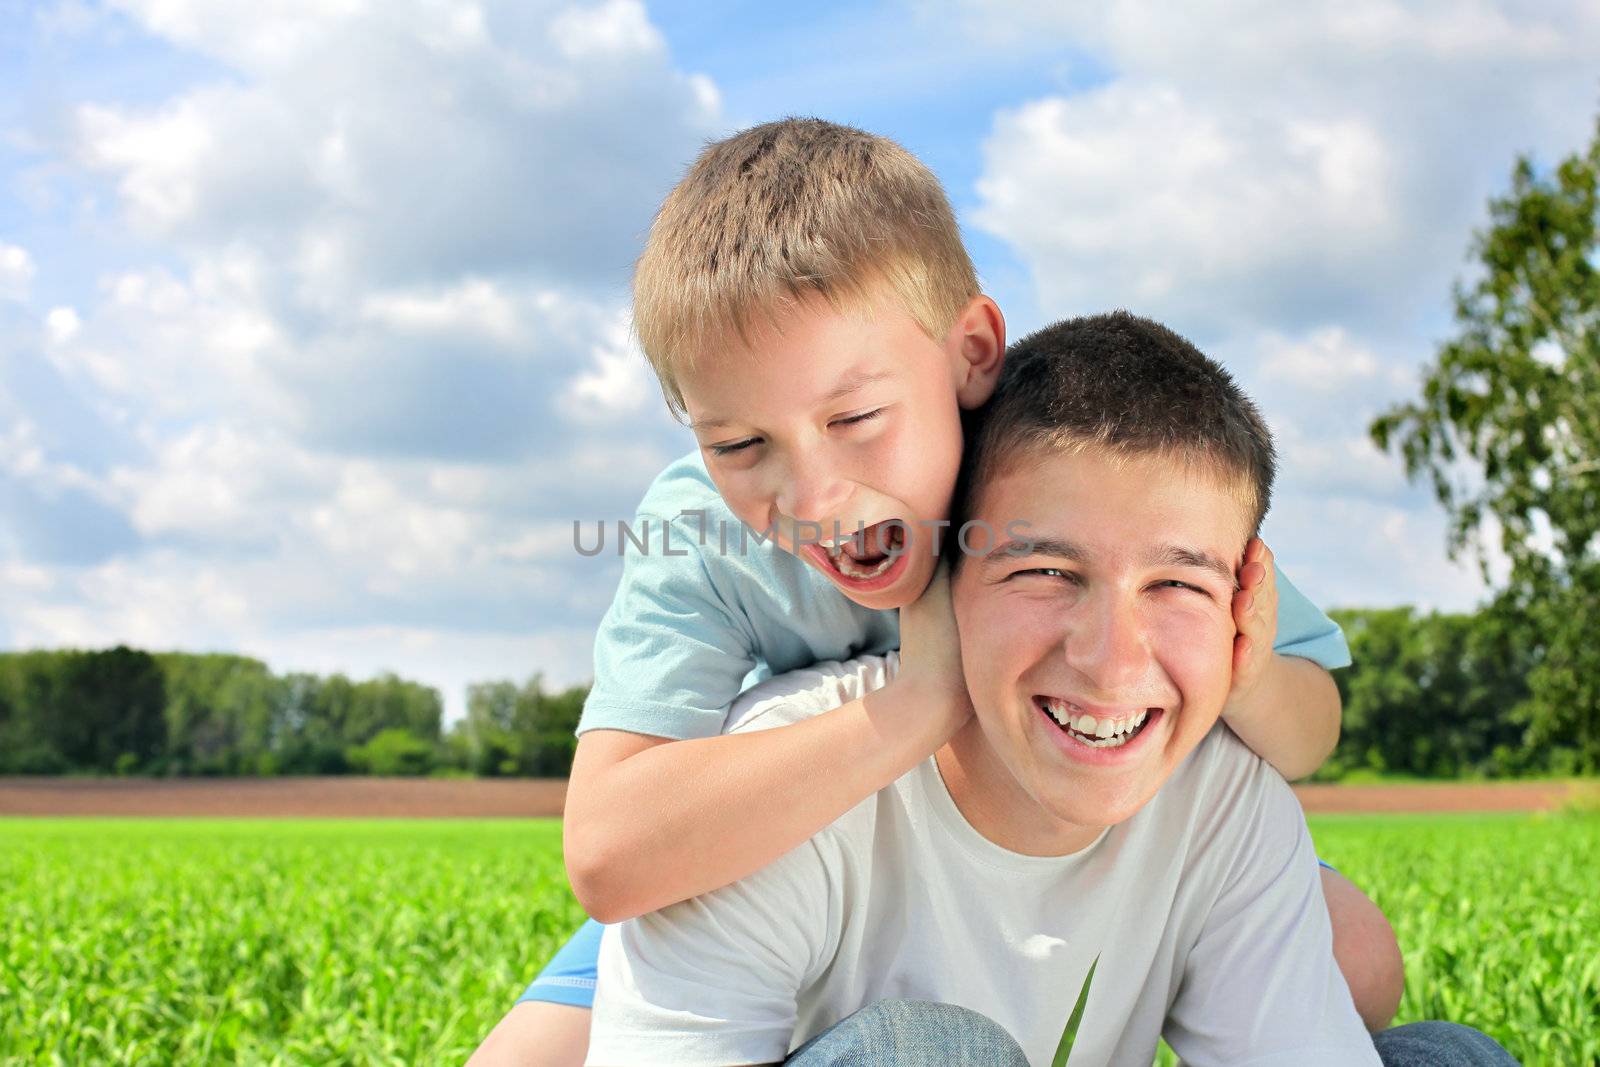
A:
[313, 334]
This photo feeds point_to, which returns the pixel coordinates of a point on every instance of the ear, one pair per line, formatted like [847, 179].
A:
[976, 345]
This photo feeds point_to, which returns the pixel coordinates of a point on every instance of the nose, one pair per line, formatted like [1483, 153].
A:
[810, 487]
[1105, 643]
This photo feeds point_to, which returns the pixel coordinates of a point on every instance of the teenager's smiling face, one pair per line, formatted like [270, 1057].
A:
[830, 420]
[1098, 659]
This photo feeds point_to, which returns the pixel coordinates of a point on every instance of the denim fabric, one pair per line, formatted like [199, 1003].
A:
[1439, 1044]
[911, 1033]
[915, 1033]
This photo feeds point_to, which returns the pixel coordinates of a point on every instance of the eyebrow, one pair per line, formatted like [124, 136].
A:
[1060, 548]
[1175, 556]
[851, 382]
[1023, 547]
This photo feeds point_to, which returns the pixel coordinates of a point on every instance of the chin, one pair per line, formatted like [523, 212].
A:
[1105, 805]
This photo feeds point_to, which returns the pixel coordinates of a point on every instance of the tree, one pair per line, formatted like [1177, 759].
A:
[1507, 431]
[1431, 695]
[395, 751]
[512, 729]
[221, 712]
[108, 708]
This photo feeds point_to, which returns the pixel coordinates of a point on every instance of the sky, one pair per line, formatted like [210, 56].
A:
[313, 313]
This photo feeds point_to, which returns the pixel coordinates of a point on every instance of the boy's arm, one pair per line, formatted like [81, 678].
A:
[1284, 703]
[649, 823]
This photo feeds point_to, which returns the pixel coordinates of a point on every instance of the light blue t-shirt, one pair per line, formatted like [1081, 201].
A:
[705, 610]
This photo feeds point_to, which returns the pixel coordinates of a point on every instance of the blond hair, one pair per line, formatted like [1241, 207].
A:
[785, 210]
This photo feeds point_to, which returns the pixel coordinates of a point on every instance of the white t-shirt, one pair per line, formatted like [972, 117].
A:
[1205, 909]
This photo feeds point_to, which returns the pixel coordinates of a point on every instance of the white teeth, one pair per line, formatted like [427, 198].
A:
[851, 569]
[1097, 733]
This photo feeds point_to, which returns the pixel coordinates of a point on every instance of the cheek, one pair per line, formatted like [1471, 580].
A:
[1197, 653]
[917, 462]
[1003, 637]
[740, 493]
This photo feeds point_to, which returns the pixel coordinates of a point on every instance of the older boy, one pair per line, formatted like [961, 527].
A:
[1090, 827]
[806, 302]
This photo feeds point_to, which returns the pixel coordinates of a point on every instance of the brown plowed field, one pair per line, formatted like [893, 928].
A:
[285, 798]
[524, 798]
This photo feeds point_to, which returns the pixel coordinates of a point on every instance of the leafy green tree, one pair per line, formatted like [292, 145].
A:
[1431, 695]
[394, 751]
[221, 711]
[391, 702]
[514, 729]
[109, 705]
[306, 738]
[1507, 431]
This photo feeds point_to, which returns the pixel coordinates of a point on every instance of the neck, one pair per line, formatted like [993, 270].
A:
[996, 805]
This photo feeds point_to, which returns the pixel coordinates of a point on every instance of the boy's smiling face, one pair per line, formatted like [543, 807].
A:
[845, 420]
[1120, 611]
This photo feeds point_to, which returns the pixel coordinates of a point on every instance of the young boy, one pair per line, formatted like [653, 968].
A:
[807, 304]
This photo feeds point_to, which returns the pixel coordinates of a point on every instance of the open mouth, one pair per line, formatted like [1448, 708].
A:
[1095, 732]
[868, 559]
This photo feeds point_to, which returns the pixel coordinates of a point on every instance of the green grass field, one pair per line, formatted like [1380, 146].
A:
[310, 942]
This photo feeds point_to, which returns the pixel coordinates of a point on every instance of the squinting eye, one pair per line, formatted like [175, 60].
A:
[863, 417]
[738, 446]
[1047, 572]
[1173, 583]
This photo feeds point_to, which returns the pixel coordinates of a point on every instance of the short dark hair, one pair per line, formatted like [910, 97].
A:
[1125, 385]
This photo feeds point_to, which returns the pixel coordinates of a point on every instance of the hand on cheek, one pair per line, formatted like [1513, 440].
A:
[1255, 618]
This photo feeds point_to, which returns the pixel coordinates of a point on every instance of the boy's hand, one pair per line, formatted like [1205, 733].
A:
[930, 648]
[1255, 616]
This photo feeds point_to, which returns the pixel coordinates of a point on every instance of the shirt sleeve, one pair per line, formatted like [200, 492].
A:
[670, 655]
[1304, 631]
[1260, 985]
[716, 979]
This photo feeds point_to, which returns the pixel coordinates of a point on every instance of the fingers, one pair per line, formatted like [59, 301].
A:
[1241, 653]
[1258, 585]
[1261, 556]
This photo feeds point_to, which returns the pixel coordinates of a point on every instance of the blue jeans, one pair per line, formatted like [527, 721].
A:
[914, 1033]
[911, 1033]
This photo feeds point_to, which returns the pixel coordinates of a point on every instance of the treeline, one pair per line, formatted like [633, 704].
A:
[1447, 695]
[124, 711]
[1429, 695]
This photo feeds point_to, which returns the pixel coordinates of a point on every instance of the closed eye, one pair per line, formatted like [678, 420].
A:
[737, 446]
[1173, 583]
[853, 419]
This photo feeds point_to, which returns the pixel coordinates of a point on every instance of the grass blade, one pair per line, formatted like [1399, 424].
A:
[1070, 1034]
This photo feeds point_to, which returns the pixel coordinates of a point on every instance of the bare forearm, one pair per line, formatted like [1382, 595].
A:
[686, 817]
[1291, 720]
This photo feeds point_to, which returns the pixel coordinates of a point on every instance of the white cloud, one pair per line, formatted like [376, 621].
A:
[414, 142]
[618, 384]
[16, 272]
[476, 306]
[378, 346]
[1288, 164]
[62, 324]
[1132, 196]
[1326, 360]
